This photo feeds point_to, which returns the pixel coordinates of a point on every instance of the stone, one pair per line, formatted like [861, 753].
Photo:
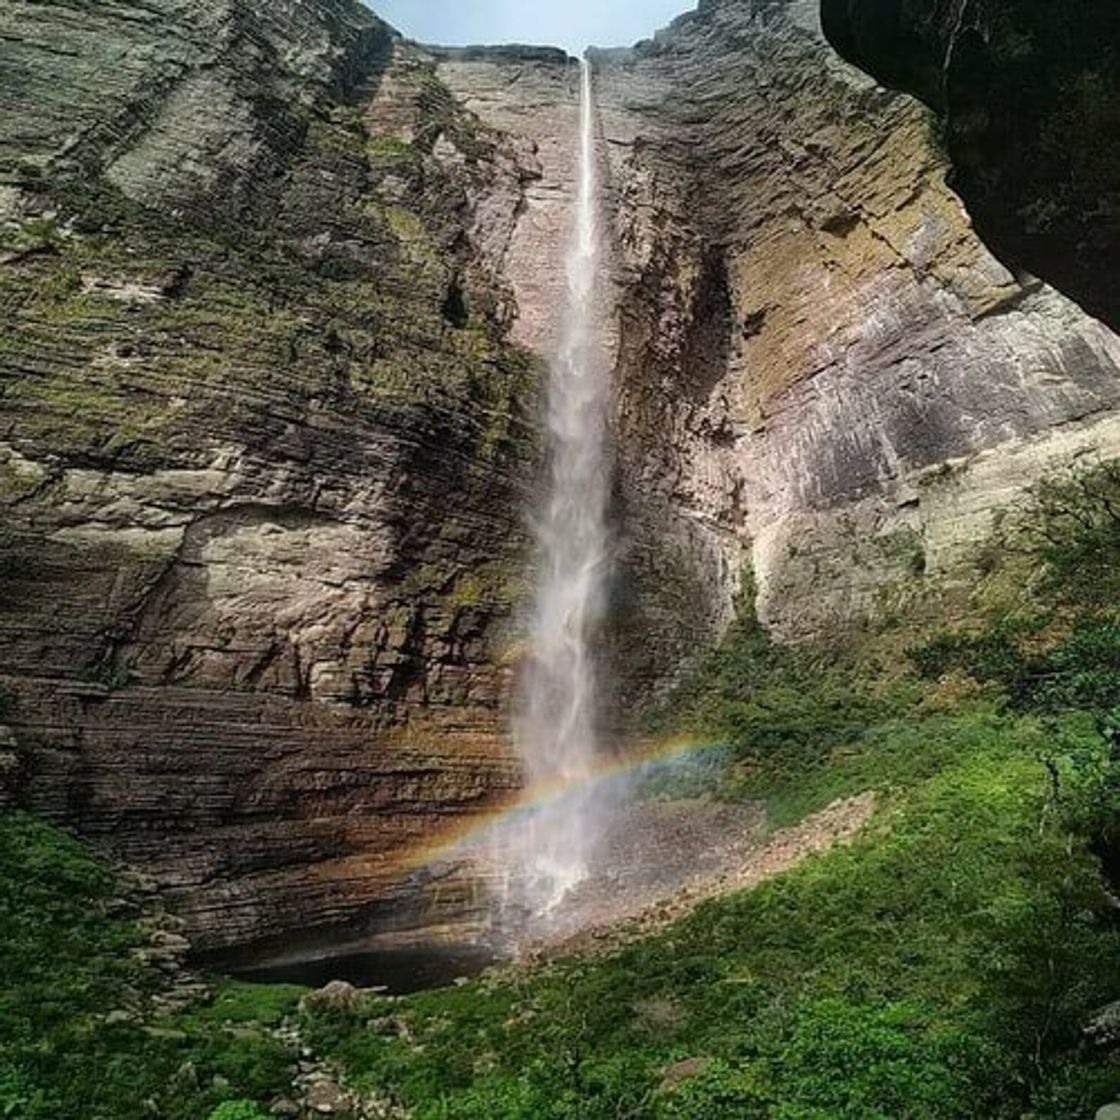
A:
[1108, 1112]
[683, 1071]
[338, 995]
[248, 527]
[1104, 1027]
[168, 1034]
[327, 1097]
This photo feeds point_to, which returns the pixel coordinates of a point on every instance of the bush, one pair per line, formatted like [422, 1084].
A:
[1059, 650]
[1080, 672]
[63, 966]
[239, 1110]
[1071, 524]
[777, 706]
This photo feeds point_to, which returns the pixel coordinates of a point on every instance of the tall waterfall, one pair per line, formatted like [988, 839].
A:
[557, 729]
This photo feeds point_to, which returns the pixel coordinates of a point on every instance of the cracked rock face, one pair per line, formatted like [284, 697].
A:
[819, 358]
[820, 367]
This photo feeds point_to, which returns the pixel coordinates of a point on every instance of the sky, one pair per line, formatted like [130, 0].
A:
[572, 24]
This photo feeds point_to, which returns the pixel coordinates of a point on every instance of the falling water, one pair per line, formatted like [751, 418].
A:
[556, 731]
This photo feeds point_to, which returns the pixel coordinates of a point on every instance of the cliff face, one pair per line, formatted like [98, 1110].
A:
[821, 368]
[1025, 95]
[819, 358]
[264, 448]
[270, 282]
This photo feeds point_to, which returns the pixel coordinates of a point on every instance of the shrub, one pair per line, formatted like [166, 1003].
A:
[239, 1110]
[1072, 525]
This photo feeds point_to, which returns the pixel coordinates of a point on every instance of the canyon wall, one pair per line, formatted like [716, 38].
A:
[1026, 105]
[264, 453]
[822, 371]
[275, 285]
[819, 356]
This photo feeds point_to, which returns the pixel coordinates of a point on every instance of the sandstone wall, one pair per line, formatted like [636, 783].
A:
[821, 369]
[264, 450]
[819, 357]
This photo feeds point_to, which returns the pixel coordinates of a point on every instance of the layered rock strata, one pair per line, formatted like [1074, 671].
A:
[270, 281]
[263, 456]
[820, 360]
[822, 370]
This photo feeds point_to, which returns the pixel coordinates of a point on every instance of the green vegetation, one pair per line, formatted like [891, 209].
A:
[1054, 644]
[939, 967]
[239, 1110]
[943, 966]
[66, 967]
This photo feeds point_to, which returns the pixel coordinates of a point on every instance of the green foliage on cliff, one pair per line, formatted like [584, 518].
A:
[1055, 644]
[65, 967]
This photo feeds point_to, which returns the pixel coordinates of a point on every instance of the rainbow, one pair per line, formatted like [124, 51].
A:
[642, 761]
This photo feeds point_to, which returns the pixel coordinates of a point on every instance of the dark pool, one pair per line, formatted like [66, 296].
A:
[398, 971]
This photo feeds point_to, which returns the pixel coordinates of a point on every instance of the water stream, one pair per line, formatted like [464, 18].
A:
[557, 727]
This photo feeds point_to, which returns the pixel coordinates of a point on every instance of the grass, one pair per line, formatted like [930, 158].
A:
[65, 964]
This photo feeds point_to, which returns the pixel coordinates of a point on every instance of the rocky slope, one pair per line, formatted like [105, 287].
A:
[270, 285]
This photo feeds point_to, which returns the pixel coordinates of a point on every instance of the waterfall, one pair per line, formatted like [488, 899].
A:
[556, 731]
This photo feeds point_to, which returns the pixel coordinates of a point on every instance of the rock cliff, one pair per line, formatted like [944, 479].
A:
[822, 368]
[1025, 95]
[272, 283]
[264, 447]
[819, 357]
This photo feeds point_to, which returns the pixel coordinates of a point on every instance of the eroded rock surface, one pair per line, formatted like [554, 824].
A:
[269, 283]
[819, 358]
[1028, 110]
[264, 449]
